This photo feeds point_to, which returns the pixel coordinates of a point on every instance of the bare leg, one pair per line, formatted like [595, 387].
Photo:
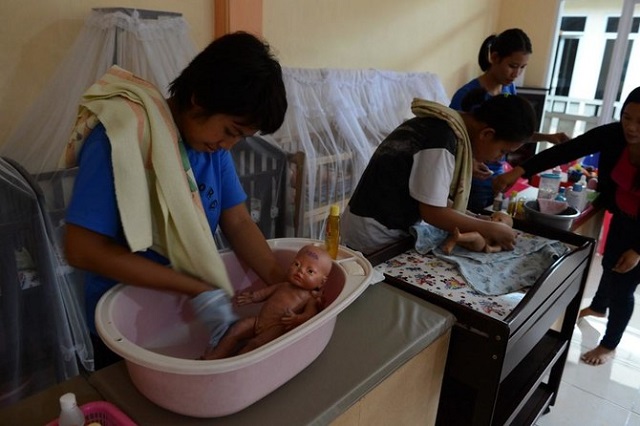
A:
[588, 312]
[450, 242]
[598, 356]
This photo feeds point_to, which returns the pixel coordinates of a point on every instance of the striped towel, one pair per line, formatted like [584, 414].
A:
[158, 200]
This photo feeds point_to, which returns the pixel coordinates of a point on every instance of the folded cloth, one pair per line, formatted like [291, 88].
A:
[158, 199]
[427, 236]
[461, 182]
[215, 310]
[504, 272]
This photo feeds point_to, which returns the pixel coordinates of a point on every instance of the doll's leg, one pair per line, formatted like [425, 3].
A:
[240, 330]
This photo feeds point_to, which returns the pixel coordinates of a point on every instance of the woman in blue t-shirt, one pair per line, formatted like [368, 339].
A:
[502, 58]
[231, 90]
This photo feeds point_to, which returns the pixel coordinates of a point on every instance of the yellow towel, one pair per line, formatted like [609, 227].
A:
[462, 174]
[158, 200]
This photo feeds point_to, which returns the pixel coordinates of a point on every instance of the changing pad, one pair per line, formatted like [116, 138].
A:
[493, 274]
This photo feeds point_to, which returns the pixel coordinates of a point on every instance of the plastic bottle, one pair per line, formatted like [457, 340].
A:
[513, 203]
[497, 202]
[561, 197]
[332, 231]
[70, 413]
[577, 197]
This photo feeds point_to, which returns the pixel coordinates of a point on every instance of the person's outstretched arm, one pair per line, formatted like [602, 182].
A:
[448, 219]
[249, 244]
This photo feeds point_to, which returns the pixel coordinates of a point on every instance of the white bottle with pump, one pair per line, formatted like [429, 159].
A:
[70, 413]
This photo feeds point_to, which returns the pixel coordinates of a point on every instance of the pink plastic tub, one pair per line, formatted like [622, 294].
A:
[157, 335]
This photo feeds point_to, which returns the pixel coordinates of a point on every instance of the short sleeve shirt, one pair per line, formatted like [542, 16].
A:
[413, 165]
[93, 204]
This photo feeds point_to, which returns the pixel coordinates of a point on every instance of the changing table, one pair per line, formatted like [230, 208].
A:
[506, 356]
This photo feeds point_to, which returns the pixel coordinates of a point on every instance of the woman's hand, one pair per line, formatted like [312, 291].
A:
[481, 171]
[505, 180]
[500, 234]
[554, 138]
[627, 262]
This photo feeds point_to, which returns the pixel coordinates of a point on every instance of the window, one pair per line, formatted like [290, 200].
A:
[612, 25]
[611, 32]
[573, 23]
[604, 68]
[571, 28]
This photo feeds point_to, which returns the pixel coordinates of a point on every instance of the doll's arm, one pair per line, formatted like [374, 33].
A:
[292, 320]
[257, 296]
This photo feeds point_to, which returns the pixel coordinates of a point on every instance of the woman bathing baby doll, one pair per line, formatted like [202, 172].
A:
[286, 305]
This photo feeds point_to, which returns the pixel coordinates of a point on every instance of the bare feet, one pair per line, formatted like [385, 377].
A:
[598, 356]
[588, 312]
[450, 242]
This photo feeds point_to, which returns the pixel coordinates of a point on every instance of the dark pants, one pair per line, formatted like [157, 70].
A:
[615, 290]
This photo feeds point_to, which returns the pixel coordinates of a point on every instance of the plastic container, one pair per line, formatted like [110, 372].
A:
[332, 231]
[577, 197]
[560, 196]
[102, 412]
[70, 413]
[549, 185]
[563, 220]
[513, 203]
[497, 202]
[159, 338]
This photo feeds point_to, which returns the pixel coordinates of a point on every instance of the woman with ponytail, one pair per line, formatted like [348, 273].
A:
[502, 58]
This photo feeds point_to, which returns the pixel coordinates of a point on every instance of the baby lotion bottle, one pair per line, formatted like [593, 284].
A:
[332, 231]
[70, 413]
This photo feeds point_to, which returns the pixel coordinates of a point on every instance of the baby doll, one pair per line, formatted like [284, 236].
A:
[474, 241]
[286, 305]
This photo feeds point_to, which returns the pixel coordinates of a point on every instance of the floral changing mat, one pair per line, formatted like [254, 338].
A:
[428, 272]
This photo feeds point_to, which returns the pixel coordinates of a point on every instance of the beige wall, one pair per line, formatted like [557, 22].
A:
[440, 36]
[539, 20]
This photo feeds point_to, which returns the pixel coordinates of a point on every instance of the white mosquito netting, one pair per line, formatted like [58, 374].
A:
[43, 335]
[336, 119]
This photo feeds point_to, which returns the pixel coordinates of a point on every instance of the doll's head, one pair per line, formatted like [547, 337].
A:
[310, 268]
[502, 217]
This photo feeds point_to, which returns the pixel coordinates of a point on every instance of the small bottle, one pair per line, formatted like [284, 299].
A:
[332, 231]
[70, 413]
[560, 196]
[577, 198]
[520, 207]
[513, 203]
[497, 202]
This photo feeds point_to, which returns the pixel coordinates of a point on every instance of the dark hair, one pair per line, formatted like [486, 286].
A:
[511, 116]
[634, 96]
[235, 75]
[504, 44]
[473, 98]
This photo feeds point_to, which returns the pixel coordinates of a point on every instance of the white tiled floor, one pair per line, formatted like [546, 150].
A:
[604, 395]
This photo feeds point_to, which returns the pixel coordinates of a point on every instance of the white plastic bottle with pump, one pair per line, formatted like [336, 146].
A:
[70, 413]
